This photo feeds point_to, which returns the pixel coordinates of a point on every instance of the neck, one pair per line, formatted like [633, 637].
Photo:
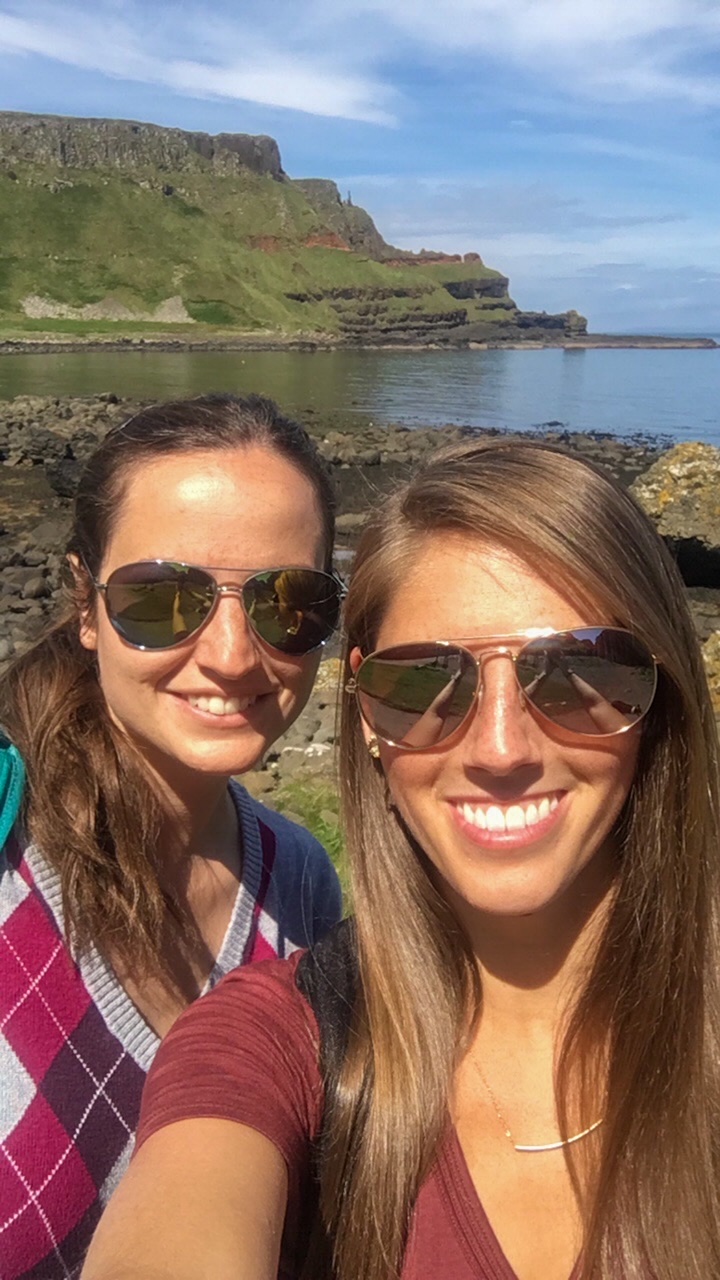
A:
[533, 967]
[199, 833]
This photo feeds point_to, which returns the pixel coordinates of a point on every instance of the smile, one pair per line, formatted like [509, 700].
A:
[217, 706]
[514, 817]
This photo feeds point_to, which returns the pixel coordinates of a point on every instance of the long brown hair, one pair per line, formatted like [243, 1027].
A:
[650, 1004]
[91, 808]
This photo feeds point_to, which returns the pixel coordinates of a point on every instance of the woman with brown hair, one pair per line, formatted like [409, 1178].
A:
[200, 595]
[520, 1081]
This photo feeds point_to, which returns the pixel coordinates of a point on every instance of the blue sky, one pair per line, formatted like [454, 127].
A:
[573, 143]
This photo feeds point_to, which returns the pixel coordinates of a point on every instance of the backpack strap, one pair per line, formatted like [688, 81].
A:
[12, 784]
[327, 976]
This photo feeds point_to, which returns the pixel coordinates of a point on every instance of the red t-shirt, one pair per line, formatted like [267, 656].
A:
[248, 1052]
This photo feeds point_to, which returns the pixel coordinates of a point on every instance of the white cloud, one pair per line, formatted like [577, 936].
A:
[334, 57]
[124, 43]
[560, 27]
[606, 49]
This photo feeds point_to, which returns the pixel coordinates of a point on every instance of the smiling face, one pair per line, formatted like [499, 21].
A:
[210, 707]
[512, 812]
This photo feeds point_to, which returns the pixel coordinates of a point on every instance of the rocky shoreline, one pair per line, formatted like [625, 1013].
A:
[44, 442]
[330, 342]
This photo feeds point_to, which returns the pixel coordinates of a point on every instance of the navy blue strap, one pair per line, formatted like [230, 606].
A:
[12, 781]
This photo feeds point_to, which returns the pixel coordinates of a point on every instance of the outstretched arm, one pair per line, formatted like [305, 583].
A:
[203, 1200]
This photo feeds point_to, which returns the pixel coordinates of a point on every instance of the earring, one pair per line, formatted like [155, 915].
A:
[373, 747]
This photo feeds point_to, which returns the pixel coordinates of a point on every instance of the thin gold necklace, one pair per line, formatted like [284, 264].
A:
[532, 1148]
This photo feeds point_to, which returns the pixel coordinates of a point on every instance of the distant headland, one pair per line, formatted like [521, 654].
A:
[122, 234]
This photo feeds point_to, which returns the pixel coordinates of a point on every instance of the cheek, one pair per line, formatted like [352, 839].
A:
[123, 671]
[620, 764]
[410, 782]
[293, 681]
[300, 677]
[119, 678]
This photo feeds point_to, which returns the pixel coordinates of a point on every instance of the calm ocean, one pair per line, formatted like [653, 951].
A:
[668, 393]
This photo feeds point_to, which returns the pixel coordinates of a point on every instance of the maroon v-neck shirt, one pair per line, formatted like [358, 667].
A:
[248, 1053]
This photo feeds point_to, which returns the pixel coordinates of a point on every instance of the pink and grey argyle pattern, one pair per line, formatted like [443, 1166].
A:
[71, 1099]
[74, 1050]
[70, 1087]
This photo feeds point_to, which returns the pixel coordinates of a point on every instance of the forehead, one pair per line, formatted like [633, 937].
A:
[459, 586]
[244, 507]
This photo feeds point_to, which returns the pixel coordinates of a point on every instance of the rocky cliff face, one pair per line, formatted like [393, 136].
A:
[352, 224]
[120, 222]
[129, 145]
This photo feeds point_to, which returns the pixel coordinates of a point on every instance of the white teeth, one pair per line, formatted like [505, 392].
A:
[515, 818]
[217, 706]
[495, 818]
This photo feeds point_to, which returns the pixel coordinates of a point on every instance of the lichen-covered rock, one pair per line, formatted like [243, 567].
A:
[681, 493]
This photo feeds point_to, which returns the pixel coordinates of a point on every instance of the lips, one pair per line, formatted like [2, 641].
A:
[519, 816]
[506, 827]
[215, 705]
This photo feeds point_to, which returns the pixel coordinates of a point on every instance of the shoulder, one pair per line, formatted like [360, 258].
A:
[248, 1052]
[23, 902]
[302, 878]
[290, 837]
[251, 1008]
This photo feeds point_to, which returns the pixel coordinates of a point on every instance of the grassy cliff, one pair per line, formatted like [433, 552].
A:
[110, 226]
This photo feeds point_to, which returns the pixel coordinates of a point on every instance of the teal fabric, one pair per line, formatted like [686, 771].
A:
[12, 780]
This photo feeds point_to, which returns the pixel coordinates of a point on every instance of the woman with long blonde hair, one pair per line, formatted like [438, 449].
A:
[520, 1080]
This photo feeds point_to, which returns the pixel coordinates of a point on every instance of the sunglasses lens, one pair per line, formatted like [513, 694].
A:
[416, 695]
[594, 681]
[155, 606]
[293, 610]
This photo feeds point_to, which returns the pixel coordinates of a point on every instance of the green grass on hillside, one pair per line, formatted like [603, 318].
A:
[80, 237]
[88, 328]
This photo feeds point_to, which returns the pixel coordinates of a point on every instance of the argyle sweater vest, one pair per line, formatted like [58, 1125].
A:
[74, 1050]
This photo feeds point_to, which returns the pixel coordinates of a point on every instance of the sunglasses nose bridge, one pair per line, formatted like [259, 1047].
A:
[229, 589]
[227, 639]
[483, 657]
[499, 737]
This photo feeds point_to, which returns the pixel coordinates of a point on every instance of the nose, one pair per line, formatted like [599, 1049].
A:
[227, 644]
[502, 736]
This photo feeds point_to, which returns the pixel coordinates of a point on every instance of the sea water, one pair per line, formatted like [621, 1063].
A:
[670, 393]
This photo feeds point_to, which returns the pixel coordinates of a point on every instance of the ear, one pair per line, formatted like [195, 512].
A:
[87, 624]
[355, 657]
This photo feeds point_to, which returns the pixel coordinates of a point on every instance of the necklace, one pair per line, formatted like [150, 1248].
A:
[532, 1148]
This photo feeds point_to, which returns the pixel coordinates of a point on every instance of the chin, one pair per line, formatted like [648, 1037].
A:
[226, 766]
[507, 901]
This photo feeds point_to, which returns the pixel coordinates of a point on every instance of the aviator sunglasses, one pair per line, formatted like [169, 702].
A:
[594, 681]
[157, 604]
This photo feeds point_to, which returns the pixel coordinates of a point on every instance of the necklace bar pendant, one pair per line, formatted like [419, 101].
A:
[557, 1146]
